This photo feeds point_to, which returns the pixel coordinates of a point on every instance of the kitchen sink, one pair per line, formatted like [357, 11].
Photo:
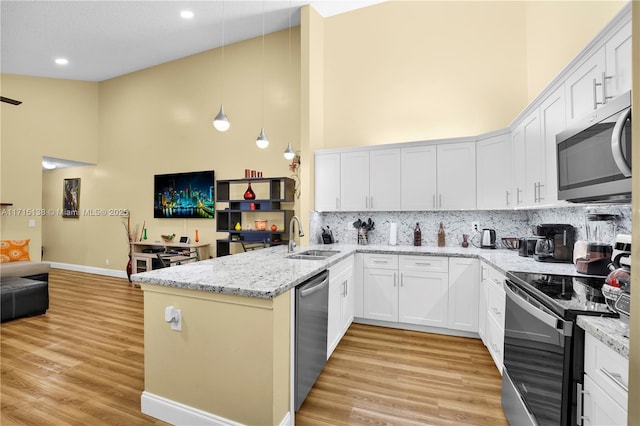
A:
[313, 254]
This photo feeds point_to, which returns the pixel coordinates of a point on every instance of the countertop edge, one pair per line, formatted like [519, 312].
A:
[609, 331]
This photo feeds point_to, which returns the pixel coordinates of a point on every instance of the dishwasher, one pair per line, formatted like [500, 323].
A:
[312, 300]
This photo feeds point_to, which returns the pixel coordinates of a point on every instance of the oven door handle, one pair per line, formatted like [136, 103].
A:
[563, 327]
[616, 144]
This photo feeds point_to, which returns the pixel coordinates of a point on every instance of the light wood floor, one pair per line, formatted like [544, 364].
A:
[82, 364]
[382, 376]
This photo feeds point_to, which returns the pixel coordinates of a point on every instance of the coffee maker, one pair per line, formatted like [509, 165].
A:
[556, 244]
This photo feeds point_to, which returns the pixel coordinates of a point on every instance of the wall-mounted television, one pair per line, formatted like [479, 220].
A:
[184, 195]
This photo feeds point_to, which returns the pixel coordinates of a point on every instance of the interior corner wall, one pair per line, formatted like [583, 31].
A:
[634, 332]
[406, 71]
[312, 104]
[556, 32]
[57, 118]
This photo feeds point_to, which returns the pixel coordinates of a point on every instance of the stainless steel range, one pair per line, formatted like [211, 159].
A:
[543, 347]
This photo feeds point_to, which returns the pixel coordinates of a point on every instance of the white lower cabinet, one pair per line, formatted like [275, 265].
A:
[606, 380]
[463, 293]
[432, 291]
[492, 312]
[423, 290]
[341, 302]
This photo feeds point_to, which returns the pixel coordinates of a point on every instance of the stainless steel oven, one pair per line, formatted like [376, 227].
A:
[594, 155]
[543, 347]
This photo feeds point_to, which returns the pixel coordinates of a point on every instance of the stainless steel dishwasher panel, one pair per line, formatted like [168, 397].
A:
[312, 299]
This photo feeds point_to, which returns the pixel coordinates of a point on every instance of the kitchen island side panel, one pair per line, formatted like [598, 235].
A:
[231, 358]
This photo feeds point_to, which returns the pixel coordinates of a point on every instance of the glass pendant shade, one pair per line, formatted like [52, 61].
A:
[288, 153]
[221, 122]
[262, 140]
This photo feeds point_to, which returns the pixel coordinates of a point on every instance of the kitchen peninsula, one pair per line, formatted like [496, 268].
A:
[232, 361]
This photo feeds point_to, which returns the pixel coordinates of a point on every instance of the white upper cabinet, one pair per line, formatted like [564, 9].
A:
[456, 176]
[384, 179]
[618, 62]
[528, 162]
[493, 158]
[354, 181]
[583, 87]
[327, 182]
[552, 121]
[604, 75]
[418, 178]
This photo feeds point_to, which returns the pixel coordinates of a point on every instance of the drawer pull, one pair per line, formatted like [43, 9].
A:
[423, 263]
[616, 378]
[496, 311]
[380, 261]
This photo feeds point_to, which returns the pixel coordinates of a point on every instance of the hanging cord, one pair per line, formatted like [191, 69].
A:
[222, 60]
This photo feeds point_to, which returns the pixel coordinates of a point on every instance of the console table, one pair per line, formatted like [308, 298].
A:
[143, 253]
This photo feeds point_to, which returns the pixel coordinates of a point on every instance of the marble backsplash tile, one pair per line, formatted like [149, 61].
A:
[507, 223]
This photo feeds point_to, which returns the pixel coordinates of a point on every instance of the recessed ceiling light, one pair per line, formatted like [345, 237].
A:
[62, 61]
[186, 14]
[48, 165]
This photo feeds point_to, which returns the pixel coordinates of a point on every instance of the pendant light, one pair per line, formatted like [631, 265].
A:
[262, 142]
[221, 122]
[288, 153]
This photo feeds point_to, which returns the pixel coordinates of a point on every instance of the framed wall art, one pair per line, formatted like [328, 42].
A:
[71, 198]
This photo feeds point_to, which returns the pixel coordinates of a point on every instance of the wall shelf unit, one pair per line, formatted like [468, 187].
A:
[273, 202]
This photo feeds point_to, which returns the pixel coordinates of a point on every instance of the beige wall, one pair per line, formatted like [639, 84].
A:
[556, 31]
[244, 342]
[57, 118]
[157, 121]
[405, 71]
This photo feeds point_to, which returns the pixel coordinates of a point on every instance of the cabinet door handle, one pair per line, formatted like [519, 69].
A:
[337, 203]
[440, 201]
[401, 279]
[580, 393]
[394, 279]
[344, 288]
[518, 191]
[434, 201]
[595, 95]
[371, 202]
[604, 87]
[507, 197]
[616, 378]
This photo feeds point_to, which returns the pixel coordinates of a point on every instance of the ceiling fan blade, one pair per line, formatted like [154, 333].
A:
[10, 101]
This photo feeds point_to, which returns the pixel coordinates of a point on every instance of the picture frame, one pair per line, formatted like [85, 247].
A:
[71, 198]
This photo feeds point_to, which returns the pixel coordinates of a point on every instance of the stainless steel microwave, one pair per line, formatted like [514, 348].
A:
[594, 155]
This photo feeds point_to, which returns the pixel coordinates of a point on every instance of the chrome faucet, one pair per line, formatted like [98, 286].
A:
[292, 243]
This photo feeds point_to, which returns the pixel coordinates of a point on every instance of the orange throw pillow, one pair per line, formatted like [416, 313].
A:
[14, 250]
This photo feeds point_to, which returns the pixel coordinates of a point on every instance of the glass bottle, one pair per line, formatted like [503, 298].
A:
[249, 194]
[417, 236]
[441, 235]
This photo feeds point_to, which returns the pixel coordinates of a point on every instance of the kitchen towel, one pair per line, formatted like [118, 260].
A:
[393, 234]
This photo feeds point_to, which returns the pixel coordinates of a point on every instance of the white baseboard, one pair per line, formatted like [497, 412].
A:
[415, 327]
[180, 414]
[88, 269]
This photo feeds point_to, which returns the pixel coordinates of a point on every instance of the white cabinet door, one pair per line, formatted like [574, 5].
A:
[354, 181]
[618, 62]
[482, 303]
[384, 180]
[335, 313]
[464, 290]
[528, 162]
[418, 178]
[599, 408]
[456, 176]
[423, 298]
[348, 303]
[552, 121]
[327, 182]
[381, 294]
[582, 89]
[493, 163]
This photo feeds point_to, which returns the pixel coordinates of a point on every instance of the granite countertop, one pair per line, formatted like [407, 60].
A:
[611, 331]
[268, 273]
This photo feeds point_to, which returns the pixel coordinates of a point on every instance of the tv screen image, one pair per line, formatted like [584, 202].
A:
[184, 195]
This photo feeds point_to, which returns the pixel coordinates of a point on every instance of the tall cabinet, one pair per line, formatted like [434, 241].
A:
[273, 202]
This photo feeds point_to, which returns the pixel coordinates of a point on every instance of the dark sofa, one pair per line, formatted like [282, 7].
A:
[23, 297]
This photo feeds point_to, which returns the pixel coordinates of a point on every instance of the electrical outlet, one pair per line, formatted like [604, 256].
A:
[475, 227]
[107, 261]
